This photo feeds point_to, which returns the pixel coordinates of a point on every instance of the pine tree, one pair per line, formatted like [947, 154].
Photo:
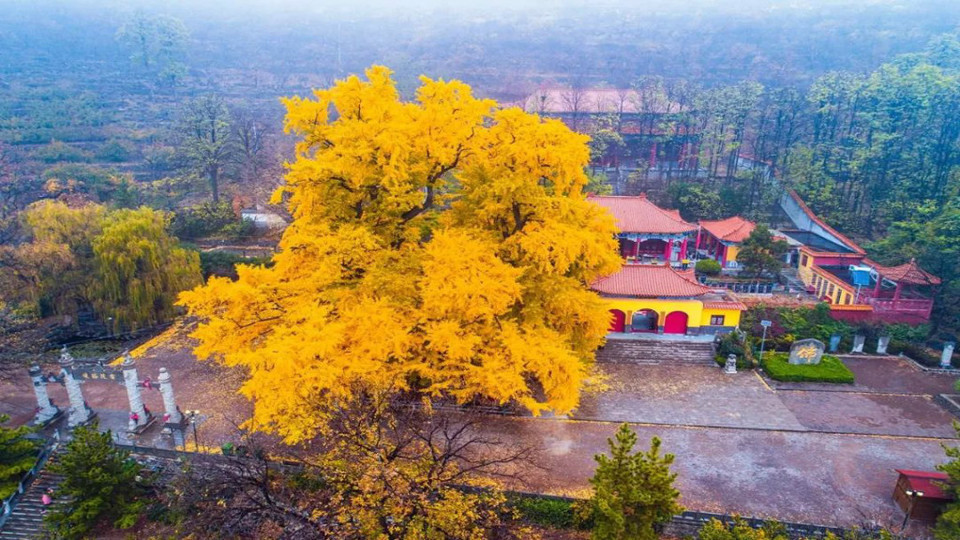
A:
[17, 455]
[633, 492]
[761, 252]
[948, 524]
[100, 483]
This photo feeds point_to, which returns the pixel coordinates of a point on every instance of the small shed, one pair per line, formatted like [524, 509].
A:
[934, 499]
[262, 219]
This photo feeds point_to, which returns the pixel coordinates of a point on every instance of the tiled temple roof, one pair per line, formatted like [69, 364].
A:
[908, 273]
[639, 215]
[650, 281]
[733, 229]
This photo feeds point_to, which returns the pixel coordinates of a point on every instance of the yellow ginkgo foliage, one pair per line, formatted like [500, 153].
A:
[442, 246]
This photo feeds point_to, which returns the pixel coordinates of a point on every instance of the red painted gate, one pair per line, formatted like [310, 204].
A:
[618, 321]
[675, 323]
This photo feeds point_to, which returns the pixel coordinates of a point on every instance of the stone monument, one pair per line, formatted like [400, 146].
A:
[139, 417]
[173, 415]
[882, 343]
[947, 354]
[730, 366]
[858, 342]
[46, 410]
[806, 351]
[79, 412]
[834, 342]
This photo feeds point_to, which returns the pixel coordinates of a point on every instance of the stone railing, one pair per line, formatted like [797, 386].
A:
[688, 523]
[902, 305]
[10, 502]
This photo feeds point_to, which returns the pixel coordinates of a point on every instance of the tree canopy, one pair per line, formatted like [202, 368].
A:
[633, 492]
[948, 524]
[761, 253]
[17, 455]
[139, 268]
[123, 263]
[100, 482]
[443, 246]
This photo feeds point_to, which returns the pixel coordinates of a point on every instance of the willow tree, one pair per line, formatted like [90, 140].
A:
[123, 263]
[442, 246]
[51, 271]
[139, 269]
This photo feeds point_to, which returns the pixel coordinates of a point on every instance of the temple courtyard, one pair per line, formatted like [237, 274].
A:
[810, 453]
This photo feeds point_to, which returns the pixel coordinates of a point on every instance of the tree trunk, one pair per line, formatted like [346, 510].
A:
[215, 184]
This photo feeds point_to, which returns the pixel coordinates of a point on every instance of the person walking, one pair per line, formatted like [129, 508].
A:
[47, 500]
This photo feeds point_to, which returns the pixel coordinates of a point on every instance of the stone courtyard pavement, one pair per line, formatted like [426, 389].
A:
[694, 395]
[820, 478]
[744, 444]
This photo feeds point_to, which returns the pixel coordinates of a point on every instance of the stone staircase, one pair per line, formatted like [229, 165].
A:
[26, 519]
[657, 352]
[792, 280]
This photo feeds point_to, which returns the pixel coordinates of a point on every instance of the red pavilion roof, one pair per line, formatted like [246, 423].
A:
[649, 281]
[909, 273]
[640, 215]
[927, 482]
[732, 229]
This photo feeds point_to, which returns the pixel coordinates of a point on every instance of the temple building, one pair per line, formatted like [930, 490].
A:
[664, 300]
[720, 240]
[637, 117]
[648, 233]
[836, 269]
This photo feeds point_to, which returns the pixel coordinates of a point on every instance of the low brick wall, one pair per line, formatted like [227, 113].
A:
[950, 402]
[689, 523]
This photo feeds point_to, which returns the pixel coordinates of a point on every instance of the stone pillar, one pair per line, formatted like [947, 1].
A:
[79, 413]
[45, 408]
[947, 354]
[858, 341]
[882, 344]
[169, 403]
[138, 414]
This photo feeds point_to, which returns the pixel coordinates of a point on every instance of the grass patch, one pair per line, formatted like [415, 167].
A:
[548, 512]
[829, 370]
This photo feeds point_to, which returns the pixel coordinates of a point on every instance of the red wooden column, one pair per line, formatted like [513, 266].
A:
[722, 251]
[876, 290]
[683, 249]
[668, 250]
[896, 295]
[696, 246]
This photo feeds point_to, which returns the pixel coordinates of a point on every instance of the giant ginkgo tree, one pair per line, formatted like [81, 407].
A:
[442, 246]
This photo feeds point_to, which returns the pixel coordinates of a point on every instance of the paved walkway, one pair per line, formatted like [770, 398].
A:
[692, 395]
[829, 479]
[687, 395]
[803, 453]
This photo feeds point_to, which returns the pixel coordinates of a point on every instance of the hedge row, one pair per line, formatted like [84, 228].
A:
[829, 370]
[552, 512]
